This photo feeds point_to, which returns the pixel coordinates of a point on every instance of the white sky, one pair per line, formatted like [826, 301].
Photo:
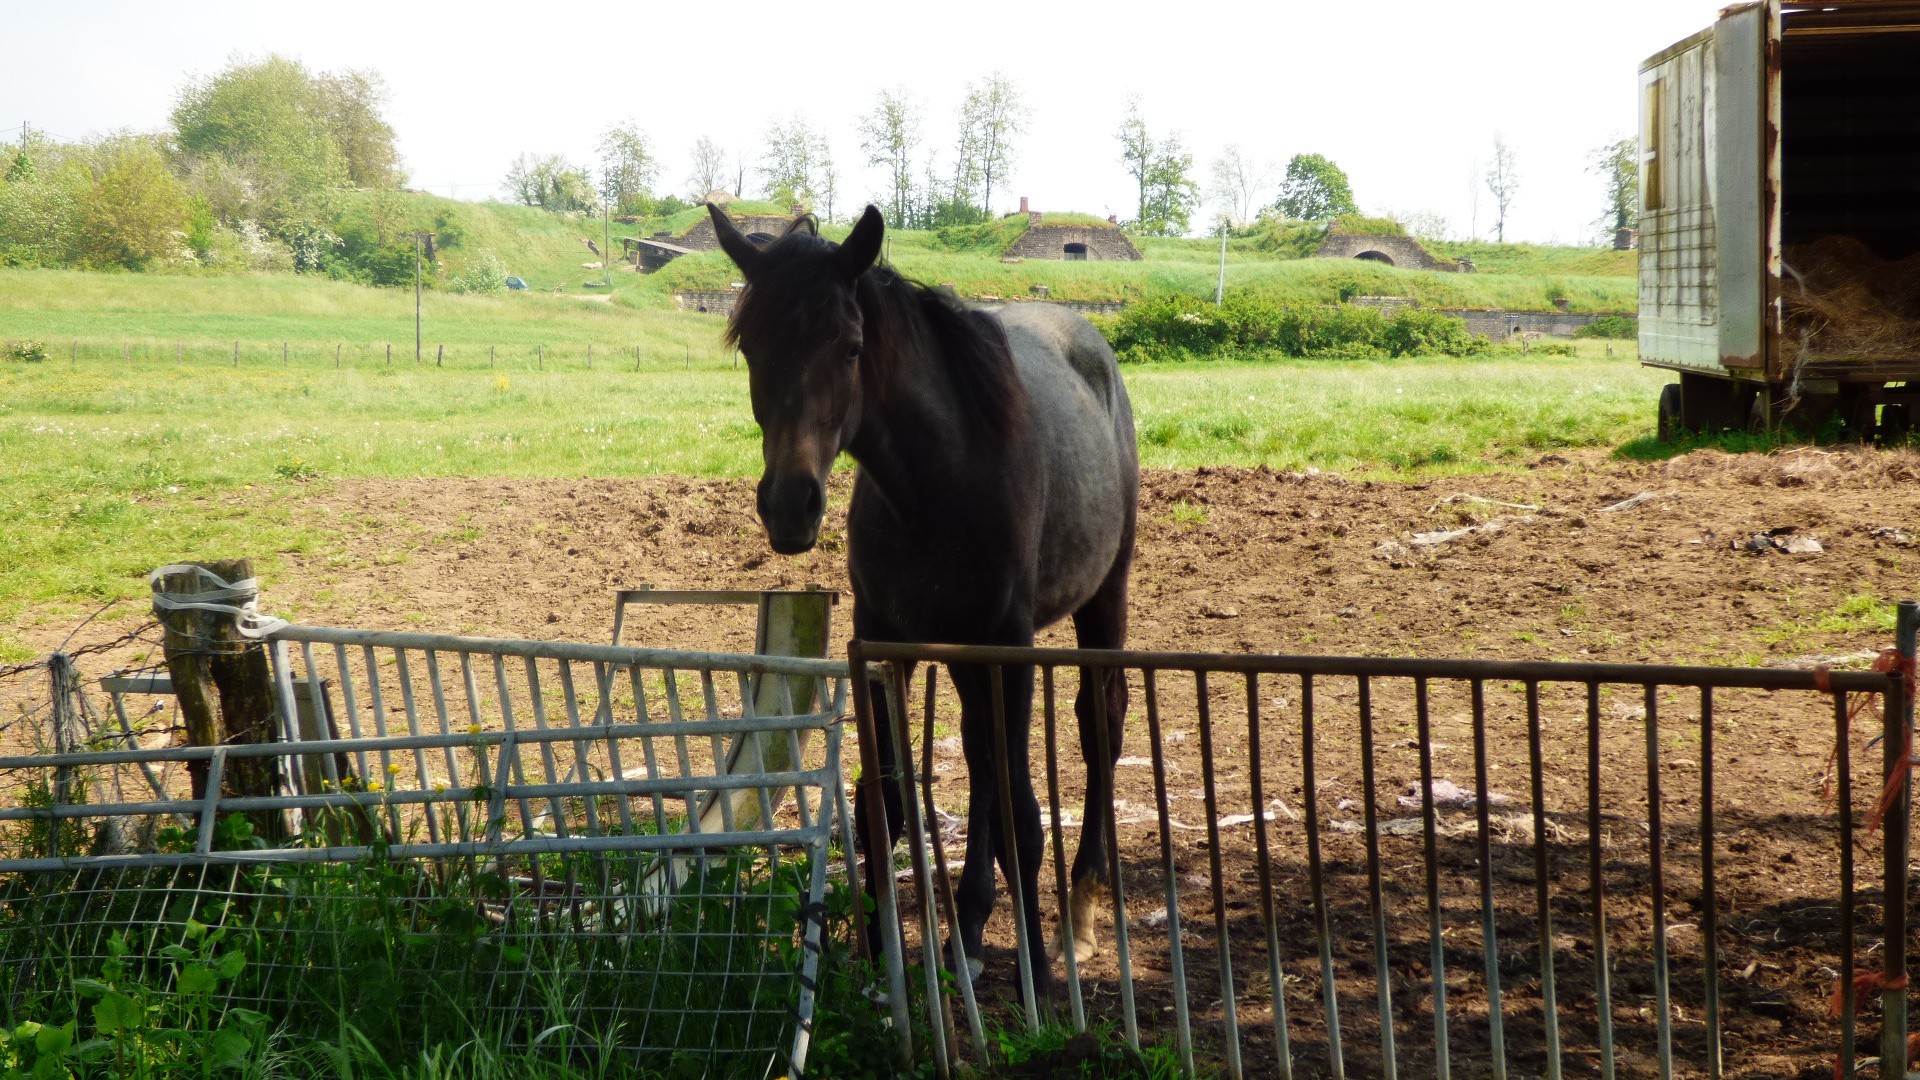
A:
[1405, 95]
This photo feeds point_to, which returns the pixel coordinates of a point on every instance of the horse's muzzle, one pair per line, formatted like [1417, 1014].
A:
[791, 508]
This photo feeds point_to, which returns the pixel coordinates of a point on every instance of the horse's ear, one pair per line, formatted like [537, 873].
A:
[805, 223]
[744, 252]
[862, 246]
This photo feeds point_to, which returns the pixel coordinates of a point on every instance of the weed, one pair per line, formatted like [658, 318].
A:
[1191, 514]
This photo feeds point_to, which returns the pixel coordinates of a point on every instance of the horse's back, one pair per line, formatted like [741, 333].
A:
[1083, 429]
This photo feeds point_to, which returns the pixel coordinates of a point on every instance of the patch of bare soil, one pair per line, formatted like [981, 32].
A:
[1708, 558]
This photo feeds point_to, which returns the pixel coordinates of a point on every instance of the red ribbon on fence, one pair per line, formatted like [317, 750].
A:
[1888, 662]
[1871, 982]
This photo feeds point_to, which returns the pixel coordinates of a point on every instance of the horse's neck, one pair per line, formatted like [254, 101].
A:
[916, 443]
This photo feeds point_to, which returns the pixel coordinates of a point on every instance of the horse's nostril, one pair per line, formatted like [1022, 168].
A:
[815, 500]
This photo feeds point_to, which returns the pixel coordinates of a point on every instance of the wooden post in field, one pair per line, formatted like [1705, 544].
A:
[540, 357]
[636, 358]
[389, 354]
[126, 352]
[236, 354]
[589, 356]
[490, 349]
[223, 685]
[440, 357]
[73, 353]
[336, 356]
[283, 354]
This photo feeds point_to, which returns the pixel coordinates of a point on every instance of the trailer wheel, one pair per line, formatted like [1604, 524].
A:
[1668, 428]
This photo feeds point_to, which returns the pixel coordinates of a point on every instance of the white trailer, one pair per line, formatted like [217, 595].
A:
[1776, 126]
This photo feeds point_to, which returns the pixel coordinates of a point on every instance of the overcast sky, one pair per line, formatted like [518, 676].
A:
[1406, 96]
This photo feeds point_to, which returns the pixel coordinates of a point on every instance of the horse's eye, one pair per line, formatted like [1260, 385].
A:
[853, 354]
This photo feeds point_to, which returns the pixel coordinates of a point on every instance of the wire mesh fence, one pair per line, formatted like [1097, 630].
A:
[557, 843]
[1383, 867]
[103, 354]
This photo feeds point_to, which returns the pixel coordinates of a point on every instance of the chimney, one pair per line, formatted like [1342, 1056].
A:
[1113, 219]
[1023, 204]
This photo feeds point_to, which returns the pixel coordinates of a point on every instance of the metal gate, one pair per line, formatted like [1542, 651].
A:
[1347, 908]
[513, 823]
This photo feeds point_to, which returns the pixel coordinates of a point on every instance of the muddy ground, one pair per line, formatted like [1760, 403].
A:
[1576, 557]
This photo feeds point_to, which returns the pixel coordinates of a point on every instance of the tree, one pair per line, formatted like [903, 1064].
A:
[268, 119]
[550, 182]
[1237, 182]
[350, 102]
[829, 179]
[991, 118]
[628, 168]
[1172, 193]
[134, 214]
[1618, 165]
[790, 164]
[1315, 189]
[1162, 170]
[1503, 183]
[889, 135]
[709, 171]
[1136, 152]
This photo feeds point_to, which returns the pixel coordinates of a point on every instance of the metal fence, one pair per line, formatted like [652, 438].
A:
[1345, 908]
[517, 830]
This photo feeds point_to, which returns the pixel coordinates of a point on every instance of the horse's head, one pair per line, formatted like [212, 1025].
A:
[799, 326]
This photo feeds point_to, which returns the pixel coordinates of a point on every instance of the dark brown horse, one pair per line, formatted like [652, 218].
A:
[996, 495]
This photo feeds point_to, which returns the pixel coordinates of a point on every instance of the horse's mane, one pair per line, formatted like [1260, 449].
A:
[791, 292]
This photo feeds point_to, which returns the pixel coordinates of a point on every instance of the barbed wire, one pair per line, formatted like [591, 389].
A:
[139, 635]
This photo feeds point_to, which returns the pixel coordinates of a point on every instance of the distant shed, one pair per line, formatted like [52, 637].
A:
[1072, 239]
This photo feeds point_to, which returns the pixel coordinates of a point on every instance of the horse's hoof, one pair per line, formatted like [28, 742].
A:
[1086, 908]
[974, 968]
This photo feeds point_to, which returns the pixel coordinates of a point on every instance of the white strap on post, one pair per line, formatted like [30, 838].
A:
[247, 617]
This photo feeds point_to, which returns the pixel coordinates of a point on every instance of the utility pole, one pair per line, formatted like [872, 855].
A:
[1220, 286]
[416, 298]
[606, 245]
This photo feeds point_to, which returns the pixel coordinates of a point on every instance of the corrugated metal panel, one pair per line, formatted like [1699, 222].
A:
[1739, 120]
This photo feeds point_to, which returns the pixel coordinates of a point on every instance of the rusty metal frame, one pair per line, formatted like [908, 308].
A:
[1544, 1036]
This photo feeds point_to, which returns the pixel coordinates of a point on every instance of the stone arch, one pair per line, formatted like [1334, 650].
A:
[1074, 252]
[1371, 255]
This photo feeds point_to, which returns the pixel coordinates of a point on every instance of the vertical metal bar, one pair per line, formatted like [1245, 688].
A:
[1436, 945]
[1656, 861]
[1897, 746]
[1263, 856]
[604, 676]
[1376, 900]
[210, 808]
[1316, 877]
[1596, 864]
[405, 676]
[556, 811]
[1062, 890]
[1489, 933]
[670, 689]
[1122, 946]
[879, 853]
[446, 728]
[1542, 871]
[582, 768]
[1176, 950]
[972, 1007]
[710, 700]
[1843, 754]
[379, 709]
[644, 715]
[317, 699]
[1022, 933]
[943, 1044]
[351, 706]
[1710, 914]
[518, 774]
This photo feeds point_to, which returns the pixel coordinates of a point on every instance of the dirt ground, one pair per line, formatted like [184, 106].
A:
[1575, 557]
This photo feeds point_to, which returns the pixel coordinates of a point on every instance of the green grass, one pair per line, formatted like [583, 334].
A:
[108, 469]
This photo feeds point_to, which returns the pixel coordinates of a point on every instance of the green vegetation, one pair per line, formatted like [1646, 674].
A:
[1611, 328]
[1247, 327]
[113, 468]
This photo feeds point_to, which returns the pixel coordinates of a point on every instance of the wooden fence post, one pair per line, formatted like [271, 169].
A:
[440, 358]
[589, 356]
[224, 688]
[236, 354]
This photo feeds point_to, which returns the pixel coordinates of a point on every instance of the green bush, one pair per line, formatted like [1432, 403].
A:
[485, 273]
[1612, 328]
[27, 352]
[1361, 225]
[987, 236]
[1182, 328]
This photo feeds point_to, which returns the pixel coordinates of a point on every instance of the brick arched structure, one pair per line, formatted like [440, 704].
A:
[1403, 251]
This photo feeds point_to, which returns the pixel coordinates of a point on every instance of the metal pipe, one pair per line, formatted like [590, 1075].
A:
[1382, 666]
[1436, 944]
[1316, 879]
[1489, 933]
[1176, 948]
[1656, 859]
[1602, 977]
[922, 871]
[1016, 891]
[1542, 871]
[1263, 857]
[879, 853]
[1843, 765]
[1710, 913]
[1897, 749]
[1223, 940]
[570, 650]
[1062, 888]
[1376, 901]
[975, 1027]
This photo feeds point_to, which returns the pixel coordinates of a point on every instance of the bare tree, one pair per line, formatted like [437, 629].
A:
[829, 176]
[889, 135]
[1238, 181]
[1136, 151]
[991, 118]
[709, 171]
[1503, 183]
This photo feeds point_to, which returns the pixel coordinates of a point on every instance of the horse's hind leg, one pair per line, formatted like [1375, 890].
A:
[1101, 623]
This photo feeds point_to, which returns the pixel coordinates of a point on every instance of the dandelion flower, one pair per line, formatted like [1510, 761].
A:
[393, 769]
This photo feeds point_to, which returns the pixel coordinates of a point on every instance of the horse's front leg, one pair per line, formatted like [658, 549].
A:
[1101, 708]
[986, 833]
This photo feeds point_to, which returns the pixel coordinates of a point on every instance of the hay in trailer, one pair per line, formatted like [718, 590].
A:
[1842, 301]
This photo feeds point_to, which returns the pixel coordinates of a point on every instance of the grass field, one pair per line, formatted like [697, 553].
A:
[113, 468]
